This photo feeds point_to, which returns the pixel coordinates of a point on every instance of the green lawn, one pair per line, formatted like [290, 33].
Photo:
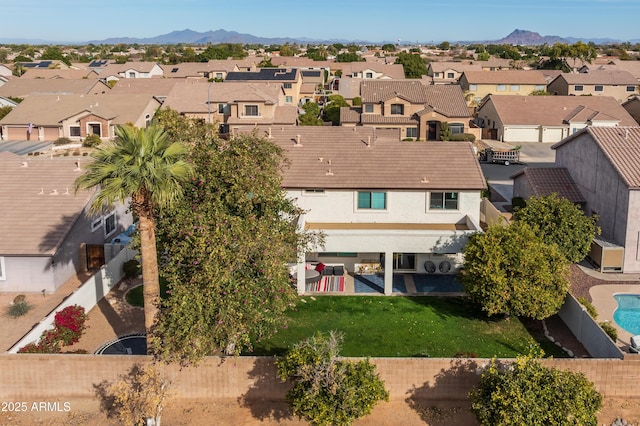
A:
[135, 297]
[406, 327]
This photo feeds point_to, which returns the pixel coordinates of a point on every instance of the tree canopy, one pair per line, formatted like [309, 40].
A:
[414, 66]
[311, 116]
[510, 270]
[225, 246]
[529, 393]
[327, 390]
[223, 51]
[561, 222]
[332, 109]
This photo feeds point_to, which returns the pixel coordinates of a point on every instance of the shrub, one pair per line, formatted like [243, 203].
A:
[328, 391]
[76, 152]
[18, 309]
[91, 141]
[131, 268]
[70, 324]
[518, 203]
[589, 307]
[610, 330]
[357, 101]
[62, 141]
[468, 137]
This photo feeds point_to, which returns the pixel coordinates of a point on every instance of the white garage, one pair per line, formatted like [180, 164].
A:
[521, 134]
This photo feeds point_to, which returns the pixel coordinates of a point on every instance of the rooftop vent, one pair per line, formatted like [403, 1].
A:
[25, 164]
[329, 173]
[54, 192]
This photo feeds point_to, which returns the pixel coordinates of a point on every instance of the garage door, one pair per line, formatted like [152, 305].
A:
[521, 134]
[16, 134]
[552, 134]
[51, 133]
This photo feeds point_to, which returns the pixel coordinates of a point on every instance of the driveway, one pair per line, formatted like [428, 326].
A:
[24, 147]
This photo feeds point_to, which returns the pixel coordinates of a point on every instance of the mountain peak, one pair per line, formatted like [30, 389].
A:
[529, 38]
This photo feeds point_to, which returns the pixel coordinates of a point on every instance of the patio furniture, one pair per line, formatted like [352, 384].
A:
[311, 276]
[635, 344]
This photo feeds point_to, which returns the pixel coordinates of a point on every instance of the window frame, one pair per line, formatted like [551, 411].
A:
[473, 86]
[246, 111]
[96, 224]
[287, 85]
[369, 75]
[456, 128]
[368, 108]
[371, 202]
[631, 88]
[444, 201]
[288, 99]
[395, 106]
[78, 128]
[451, 75]
[106, 226]
[598, 88]
[501, 87]
[578, 88]
[514, 88]
[414, 132]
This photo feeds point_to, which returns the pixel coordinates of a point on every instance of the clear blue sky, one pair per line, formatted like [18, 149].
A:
[374, 20]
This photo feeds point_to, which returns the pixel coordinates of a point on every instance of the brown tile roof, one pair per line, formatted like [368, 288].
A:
[197, 69]
[456, 66]
[446, 99]
[50, 110]
[555, 110]
[20, 88]
[115, 69]
[144, 86]
[621, 146]
[32, 220]
[338, 157]
[395, 71]
[604, 77]
[59, 73]
[505, 77]
[191, 96]
[545, 181]
[350, 114]
[301, 62]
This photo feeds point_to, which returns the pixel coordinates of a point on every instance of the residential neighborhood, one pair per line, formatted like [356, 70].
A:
[440, 215]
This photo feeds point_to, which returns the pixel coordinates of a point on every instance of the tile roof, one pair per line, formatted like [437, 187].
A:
[58, 73]
[395, 71]
[144, 86]
[505, 77]
[605, 77]
[456, 66]
[32, 220]
[556, 110]
[300, 62]
[264, 74]
[115, 69]
[339, 158]
[191, 96]
[445, 99]
[545, 181]
[20, 88]
[621, 146]
[50, 110]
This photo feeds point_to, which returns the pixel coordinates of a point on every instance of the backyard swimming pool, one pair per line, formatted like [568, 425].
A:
[627, 315]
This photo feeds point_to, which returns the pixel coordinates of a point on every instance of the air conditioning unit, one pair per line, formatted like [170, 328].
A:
[442, 263]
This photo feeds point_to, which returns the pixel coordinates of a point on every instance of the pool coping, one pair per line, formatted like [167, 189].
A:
[604, 302]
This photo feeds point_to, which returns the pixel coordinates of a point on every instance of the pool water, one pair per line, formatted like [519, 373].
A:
[627, 315]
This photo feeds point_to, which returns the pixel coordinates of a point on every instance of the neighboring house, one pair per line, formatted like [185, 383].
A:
[290, 80]
[415, 109]
[449, 72]
[479, 84]
[5, 70]
[4, 102]
[213, 69]
[379, 200]
[49, 117]
[233, 104]
[605, 165]
[618, 84]
[544, 181]
[632, 105]
[369, 70]
[46, 236]
[47, 73]
[632, 67]
[300, 62]
[157, 87]
[19, 88]
[495, 64]
[43, 64]
[546, 118]
[114, 72]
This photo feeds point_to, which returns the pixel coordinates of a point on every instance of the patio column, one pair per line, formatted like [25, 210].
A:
[300, 274]
[388, 272]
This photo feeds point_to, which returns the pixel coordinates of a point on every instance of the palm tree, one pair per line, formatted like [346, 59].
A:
[144, 167]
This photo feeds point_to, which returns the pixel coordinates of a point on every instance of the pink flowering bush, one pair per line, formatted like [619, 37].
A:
[69, 325]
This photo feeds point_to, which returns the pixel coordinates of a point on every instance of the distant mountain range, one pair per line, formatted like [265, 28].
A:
[187, 36]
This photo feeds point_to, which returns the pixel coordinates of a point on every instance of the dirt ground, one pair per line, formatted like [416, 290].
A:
[235, 413]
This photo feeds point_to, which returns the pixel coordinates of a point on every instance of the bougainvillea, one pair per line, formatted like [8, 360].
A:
[69, 324]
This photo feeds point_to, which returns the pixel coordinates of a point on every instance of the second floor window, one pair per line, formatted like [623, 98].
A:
[450, 75]
[223, 109]
[397, 109]
[368, 107]
[372, 200]
[369, 75]
[287, 85]
[443, 201]
[251, 110]
[501, 88]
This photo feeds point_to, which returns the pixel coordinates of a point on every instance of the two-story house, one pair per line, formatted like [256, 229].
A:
[290, 81]
[214, 69]
[114, 72]
[379, 200]
[618, 84]
[416, 110]
[479, 84]
[604, 162]
[233, 104]
[446, 72]
[19, 88]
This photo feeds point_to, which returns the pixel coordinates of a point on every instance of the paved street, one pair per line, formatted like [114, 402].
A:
[24, 147]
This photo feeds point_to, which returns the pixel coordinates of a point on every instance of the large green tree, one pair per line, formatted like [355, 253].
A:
[226, 245]
[528, 393]
[561, 222]
[311, 116]
[147, 169]
[327, 390]
[414, 66]
[332, 109]
[510, 270]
